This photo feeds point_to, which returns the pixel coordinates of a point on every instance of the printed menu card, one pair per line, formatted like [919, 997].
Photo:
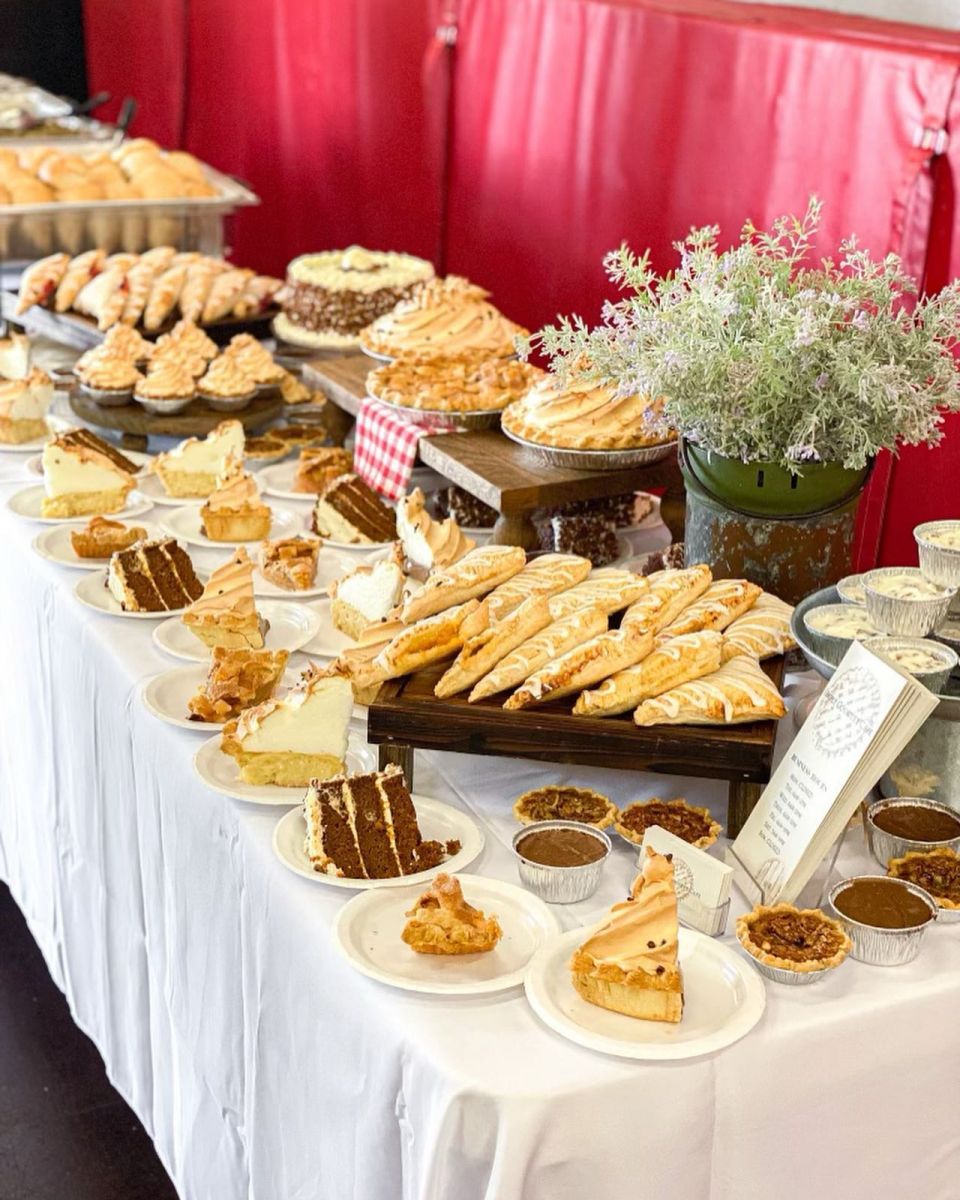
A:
[864, 718]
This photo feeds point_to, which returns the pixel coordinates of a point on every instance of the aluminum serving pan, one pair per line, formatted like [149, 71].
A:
[885, 846]
[595, 460]
[884, 947]
[561, 885]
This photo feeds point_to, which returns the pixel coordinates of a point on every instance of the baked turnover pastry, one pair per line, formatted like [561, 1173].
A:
[762, 631]
[740, 691]
[442, 922]
[480, 654]
[234, 512]
[428, 641]
[330, 297]
[365, 827]
[291, 563]
[546, 575]
[683, 820]
[444, 316]
[584, 665]
[629, 964]
[470, 381]
[719, 606]
[609, 589]
[349, 511]
[677, 661]
[191, 469]
[154, 576]
[426, 543]
[82, 474]
[557, 802]
[237, 679]
[671, 591]
[100, 538]
[296, 739]
[40, 281]
[319, 466]
[475, 574]
[936, 871]
[226, 613]
[793, 939]
[580, 414]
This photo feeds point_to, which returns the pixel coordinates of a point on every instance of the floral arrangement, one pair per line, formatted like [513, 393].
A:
[763, 356]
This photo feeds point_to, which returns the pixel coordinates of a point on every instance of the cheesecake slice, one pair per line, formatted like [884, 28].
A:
[84, 475]
[191, 469]
[297, 738]
[629, 963]
[226, 614]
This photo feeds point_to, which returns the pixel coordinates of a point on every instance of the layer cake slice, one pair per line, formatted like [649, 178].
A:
[153, 576]
[349, 511]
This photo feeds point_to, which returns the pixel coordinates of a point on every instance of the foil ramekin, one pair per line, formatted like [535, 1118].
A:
[107, 397]
[940, 564]
[850, 588]
[895, 614]
[561, 885]
[936, 680]
[830, 646]
[883, 947]
[885, 846]
[228, 403]
[163, 408]
[785, 975]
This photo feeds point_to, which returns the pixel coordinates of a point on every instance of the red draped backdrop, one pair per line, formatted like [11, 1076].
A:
[553, 130]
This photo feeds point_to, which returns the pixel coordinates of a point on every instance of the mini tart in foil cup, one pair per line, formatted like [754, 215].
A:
[791, 976]
[832, 646]
[945, 914]
[885, 846]
[940, 564]
[935, 678]
[228, 403]
[164, 407]
[850, 589]
[561, 885]
[883, 947]
[913, 617]
[107, 397]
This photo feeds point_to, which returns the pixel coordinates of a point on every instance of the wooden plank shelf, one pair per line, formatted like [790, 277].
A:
[407, 715]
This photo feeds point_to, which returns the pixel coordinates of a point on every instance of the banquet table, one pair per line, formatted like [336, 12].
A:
[263, 1066]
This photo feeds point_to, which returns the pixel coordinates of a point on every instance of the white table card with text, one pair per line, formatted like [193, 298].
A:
[864, 718]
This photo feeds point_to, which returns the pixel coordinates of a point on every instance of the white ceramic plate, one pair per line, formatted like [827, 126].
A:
[91, 590]
[54, 545]
[221, 773]
[35, 467]
[152, 487]
[291, 627]
[724, 997]
[330, 566]
[367, 930]
[328, 641]
[54, 424]
[167, 696]
[277, 480]
[184, 523]
[437, 821]
[26, 504]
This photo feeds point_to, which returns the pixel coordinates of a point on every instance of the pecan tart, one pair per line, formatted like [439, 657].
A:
[265, 448]
[786, 938]
[936, 871]
[471, 381]
[556, 802]
[683, 820]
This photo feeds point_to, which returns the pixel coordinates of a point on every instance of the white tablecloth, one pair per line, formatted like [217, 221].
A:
[264, 1067]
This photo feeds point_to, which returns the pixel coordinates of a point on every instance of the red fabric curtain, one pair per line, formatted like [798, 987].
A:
[573, 125]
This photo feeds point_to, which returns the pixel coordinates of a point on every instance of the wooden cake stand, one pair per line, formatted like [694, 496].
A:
[498, 471]
[137, 426]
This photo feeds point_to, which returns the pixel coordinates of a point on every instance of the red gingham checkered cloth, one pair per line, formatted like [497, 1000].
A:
[386, 447]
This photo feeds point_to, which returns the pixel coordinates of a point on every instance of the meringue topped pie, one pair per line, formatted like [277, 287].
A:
[298, 738]
[366, 596]
[226, 613]
[24, 405]
[166, 380]
[629, 962]
[254, 359]
[237, 679]
[234, 511]
[442, 922]
[191, 469]
[106, 370]
[82, 474]
[427, 543]
[226, 379]
[580, 414]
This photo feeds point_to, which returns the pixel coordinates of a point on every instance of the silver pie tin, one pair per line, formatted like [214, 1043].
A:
[561, 885]
[785, 975]
[107, 397]
[163, 408]
[895, 614]
[481, 418]
[883, 947]
[846, 586]
[595, 460]
[829, 646]
[886, 846]
[940, 564]
[227, 403]
[934, 679]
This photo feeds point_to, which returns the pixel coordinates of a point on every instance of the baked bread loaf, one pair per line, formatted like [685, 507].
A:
[762, 631]
[544, 576]
[481, 653]
[554, 640]
[475, 574]
[719, 606]
[670, 592]
[584, 665]
[677, 661]
[609, 589]
[740, 691]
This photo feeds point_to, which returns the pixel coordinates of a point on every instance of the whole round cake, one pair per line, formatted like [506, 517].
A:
[330, 297]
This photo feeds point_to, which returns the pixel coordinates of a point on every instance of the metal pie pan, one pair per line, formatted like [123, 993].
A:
[595, 460]
[481, 418]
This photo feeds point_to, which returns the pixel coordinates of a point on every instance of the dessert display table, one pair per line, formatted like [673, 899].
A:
[497, 471]
[264, 1066]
